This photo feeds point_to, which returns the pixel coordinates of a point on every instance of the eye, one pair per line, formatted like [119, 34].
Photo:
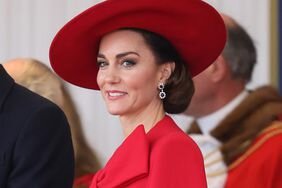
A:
[128, 63]
[101, 63]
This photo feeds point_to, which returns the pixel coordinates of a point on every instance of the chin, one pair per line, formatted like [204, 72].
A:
[115, 111]
[118, 109]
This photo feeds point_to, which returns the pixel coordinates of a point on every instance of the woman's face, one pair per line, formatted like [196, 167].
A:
[128, 74]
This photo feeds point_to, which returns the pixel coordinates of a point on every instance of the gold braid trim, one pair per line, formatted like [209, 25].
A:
[211, 153]
[275, 125]
[213, 162]
[207, 164]
[272, 130]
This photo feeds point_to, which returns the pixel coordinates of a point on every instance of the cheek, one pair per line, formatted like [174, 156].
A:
[145, 84]
[198, 86]
[201, 81]
[202, 88]
[100, 79]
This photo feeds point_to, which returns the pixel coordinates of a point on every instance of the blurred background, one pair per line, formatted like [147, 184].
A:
[27, 28]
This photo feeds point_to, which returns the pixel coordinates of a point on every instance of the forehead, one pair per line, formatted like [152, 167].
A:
[123, 39]
[122, 33]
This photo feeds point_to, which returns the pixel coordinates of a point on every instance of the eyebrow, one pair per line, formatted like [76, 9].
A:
[119, 55]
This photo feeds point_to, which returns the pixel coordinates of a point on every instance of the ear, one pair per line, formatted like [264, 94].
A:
[166, 70]
[218, 70]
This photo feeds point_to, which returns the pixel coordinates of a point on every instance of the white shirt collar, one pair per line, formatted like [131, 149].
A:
[209, 122]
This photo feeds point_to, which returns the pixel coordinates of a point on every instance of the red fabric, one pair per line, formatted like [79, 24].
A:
[280, 117]
[261, 169]
[163, 158]
[193, 27]
[84, 180]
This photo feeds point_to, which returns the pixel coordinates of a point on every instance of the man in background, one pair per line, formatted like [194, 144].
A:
[35, 142]
[247, 124]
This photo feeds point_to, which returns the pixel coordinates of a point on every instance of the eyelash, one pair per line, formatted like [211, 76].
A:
[101, 63]
[127, 63]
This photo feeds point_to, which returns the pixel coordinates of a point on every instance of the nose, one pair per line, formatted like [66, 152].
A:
[112, 75]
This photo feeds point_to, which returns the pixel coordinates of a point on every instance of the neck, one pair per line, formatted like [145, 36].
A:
[147, 117]
[226, 93]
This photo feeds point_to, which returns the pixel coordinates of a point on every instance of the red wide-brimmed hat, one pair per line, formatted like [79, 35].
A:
[193, 27]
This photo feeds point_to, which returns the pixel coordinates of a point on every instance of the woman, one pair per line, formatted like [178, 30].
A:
[38, 78]
[141, 55]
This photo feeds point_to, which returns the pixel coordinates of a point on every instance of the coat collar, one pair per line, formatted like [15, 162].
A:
[6, 83]
[130, 161]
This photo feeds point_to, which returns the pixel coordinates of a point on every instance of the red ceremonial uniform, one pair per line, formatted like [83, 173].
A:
[261, 165]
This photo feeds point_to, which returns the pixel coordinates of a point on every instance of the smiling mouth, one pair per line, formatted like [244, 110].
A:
[115, 94]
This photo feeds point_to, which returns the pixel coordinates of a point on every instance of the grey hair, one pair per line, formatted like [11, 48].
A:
[240, 52]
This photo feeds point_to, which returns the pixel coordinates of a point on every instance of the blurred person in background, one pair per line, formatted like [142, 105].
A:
[38, 78]
[245, 125]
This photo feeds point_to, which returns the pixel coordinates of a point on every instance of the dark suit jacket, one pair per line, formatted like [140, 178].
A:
[35, 142]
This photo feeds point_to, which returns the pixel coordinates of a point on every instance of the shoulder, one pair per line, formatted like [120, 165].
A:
[266, 147]
[171, 139]
[23, 103]
[178, 139]
[24, 109]
[177, 145]
[176, 158]
[269, 141]
[24, 96]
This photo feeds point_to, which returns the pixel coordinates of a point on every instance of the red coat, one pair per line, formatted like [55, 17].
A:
[165, 157]
[83, 181]
[261, 165]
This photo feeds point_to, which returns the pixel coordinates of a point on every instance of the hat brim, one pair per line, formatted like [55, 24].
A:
[193, 27]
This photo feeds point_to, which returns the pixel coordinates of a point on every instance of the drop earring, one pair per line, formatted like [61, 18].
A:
[162, 94]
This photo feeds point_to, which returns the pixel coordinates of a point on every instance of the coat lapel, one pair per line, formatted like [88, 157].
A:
[129, 163]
